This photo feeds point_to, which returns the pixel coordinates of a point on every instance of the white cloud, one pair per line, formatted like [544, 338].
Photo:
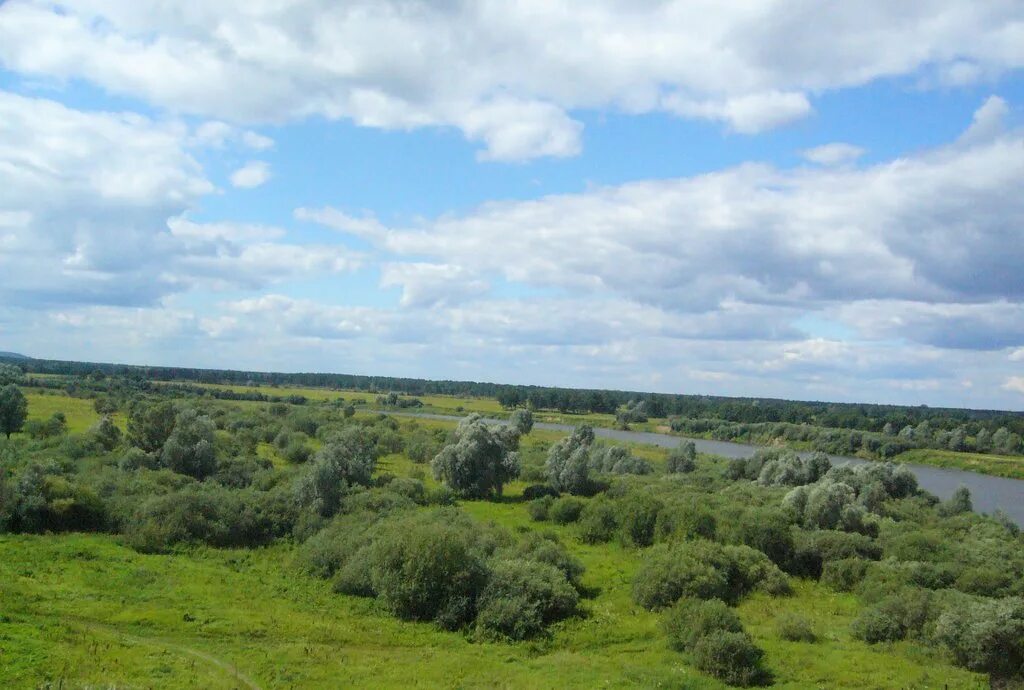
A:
[504, 73]
[836, 153]
[1014, 384]
[426, 285]
[989, 121]
[905, 231]
[92, 210]
[749, 114]
[1017, 355]
[252, 174]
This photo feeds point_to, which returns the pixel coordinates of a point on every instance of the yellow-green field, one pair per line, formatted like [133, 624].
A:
[80, 413]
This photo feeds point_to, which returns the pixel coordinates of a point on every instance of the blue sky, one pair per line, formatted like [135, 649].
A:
[772, 199]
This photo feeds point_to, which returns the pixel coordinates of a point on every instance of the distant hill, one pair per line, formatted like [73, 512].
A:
[12, 355]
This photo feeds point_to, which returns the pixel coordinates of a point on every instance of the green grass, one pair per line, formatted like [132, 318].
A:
[82, 610]
[1011, 466]
[79, 412]
[86, 610]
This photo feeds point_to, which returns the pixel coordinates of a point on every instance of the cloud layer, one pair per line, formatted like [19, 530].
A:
[507, 75]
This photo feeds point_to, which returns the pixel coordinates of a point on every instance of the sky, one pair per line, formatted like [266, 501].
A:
[775, 199]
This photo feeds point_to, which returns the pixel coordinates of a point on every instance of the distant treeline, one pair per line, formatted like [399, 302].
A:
[852, 416]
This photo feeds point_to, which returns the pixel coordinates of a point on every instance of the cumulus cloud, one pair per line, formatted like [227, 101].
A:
[92, 208]
[1014, 384]
[836, 153]
[938, 228]
[252, 174]
[504, 73]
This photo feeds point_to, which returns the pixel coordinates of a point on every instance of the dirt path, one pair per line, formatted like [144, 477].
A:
[229, 669]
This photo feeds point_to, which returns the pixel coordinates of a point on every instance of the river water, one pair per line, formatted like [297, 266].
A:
[987, 493]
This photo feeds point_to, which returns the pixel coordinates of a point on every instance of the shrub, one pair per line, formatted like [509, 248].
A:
[703, 570]
[690, 619]
[410, 488]
[731, 657]
[985, 636]
[845, 574]
[429, 567]
[523, 596]
[539, 508]
[682, 458]
[598, 522]
[535, 491]
[565, 510]
[189, 448]
[545, 548]
[768, 530]
[895, 617]
[795, 628]
[136, 458]
[816, 547]
[638, 514]
[678, 521]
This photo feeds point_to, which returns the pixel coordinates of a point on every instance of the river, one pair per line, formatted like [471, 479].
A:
[987, 493]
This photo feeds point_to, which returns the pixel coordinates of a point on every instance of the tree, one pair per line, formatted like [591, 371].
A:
[346, 460]
[106, 433]
[13, 409]
[568, 463]
[986, 636]
[189, 448]
[522, 421]
[10, 374]
[481, 460]
[149, 426]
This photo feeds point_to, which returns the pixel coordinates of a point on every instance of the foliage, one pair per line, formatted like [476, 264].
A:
[565, 510]
[987, 636]
[682, 458]
[522, 597]
[480, 461]
[731, 657]
[568, 462]
[13, 409]
[688, 620]
[150, 425]
[189, 448]
[346, 460]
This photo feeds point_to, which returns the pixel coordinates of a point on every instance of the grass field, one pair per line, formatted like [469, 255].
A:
[79, 412]
[1011, 466]
[86, 611]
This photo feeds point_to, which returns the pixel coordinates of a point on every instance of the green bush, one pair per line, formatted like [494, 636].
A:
[429, 566]
[731, 657]
[704, 570]
[680, 521]
[795, 628]
[845, 574]
[638, 514]
[565, 510]
[522, 597]
[682, 458]
[895, 617]
[540, 508]
[686, 622]
[545, 548]
[598, 522]
[986, 636]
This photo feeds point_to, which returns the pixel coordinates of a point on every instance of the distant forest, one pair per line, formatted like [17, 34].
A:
[859, 416]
